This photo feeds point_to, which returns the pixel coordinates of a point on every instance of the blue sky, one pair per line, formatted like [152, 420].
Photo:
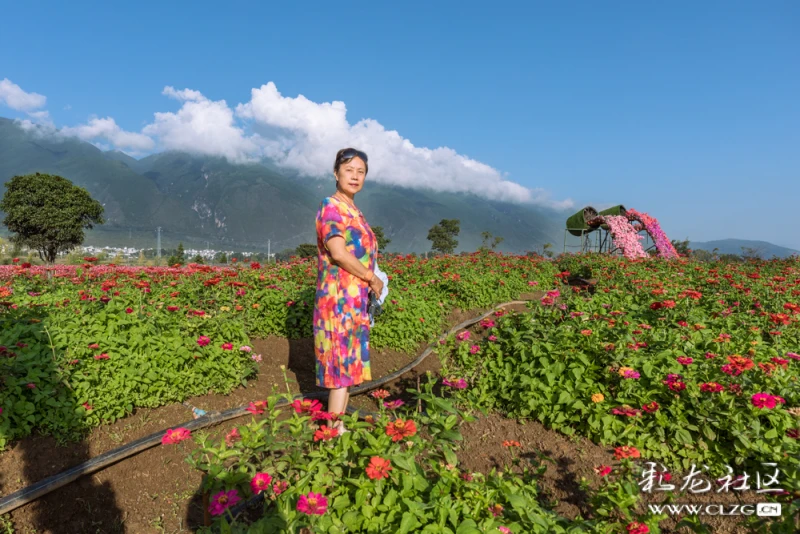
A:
[689, 111]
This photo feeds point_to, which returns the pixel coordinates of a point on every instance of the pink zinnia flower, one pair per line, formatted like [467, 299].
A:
[227, 346]
[257, 407]
[312, 504]
[321, 415]
[637, 528]
[176, 435]
[260, 482]
[203, 341]
[685, 360]
[103, 356]
[232, 437]
[245, 348]
[766, 401]
[631, 374]
[222, 501]
[492, 338]
[457, 384]
[280, 486]
[463, 336]
[474, 349]
[496, 510]
[793, 355]
[505, 530]
[393, 405]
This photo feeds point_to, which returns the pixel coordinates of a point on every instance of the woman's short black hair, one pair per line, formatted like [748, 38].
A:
[347, 154]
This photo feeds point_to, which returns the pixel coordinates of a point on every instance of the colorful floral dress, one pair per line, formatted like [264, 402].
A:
[341, 320]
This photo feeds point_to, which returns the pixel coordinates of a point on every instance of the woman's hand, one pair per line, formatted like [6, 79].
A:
[376, 285]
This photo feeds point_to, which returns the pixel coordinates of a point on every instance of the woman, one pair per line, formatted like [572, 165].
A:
[347, 251]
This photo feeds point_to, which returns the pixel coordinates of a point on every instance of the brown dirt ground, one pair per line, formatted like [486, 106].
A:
[156, 490]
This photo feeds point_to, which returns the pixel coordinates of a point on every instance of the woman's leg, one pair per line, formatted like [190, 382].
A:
[337, 400]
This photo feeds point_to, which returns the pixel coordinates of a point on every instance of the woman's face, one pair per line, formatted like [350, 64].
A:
[351, 176]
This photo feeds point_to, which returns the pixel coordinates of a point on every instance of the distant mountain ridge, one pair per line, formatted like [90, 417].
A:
[734, 246]
[199, 200]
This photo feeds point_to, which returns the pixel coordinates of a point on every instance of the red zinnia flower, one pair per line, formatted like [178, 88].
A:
[401, 429]
[306, 405]
[378, 468]
[324, 433]
[651, 407]
[603, 470]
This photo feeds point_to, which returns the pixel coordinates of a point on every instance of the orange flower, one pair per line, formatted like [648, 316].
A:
[511, 443]
[378, 468]
[626, 451]
[400, 429]
[598, 397]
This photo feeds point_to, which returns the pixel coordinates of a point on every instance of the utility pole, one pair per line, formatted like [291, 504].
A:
[158, 243]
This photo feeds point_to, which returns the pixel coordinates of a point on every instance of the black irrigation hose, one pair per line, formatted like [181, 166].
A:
[45, 486]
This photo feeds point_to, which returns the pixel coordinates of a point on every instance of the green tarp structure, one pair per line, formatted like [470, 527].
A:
[576, 224]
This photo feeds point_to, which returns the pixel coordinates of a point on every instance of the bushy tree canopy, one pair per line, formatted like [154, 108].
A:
[443, 236]
[48, 213]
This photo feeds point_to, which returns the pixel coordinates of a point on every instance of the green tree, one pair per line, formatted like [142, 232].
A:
[383, 241]
[682, 247]
[306, 250]
[222, 257]
[750, 253]
[179, 257]
[198, 259]
[443, 236]
[48, 213]
[486, 245]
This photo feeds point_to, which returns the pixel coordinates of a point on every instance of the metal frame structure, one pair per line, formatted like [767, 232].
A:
[601, 242]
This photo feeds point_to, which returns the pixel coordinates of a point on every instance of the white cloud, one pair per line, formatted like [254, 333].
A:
[202, 126]
[13, 96]
[296, 133]
[310, 134]
[107, 129]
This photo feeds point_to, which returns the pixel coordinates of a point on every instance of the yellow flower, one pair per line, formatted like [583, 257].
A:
[225, 308]
[598, 397]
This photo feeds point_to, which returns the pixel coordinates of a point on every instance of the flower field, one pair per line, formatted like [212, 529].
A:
[90, 344]
[688, 365]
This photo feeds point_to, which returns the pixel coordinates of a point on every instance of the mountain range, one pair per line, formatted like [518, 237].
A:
[735, 246]
[206, 201]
